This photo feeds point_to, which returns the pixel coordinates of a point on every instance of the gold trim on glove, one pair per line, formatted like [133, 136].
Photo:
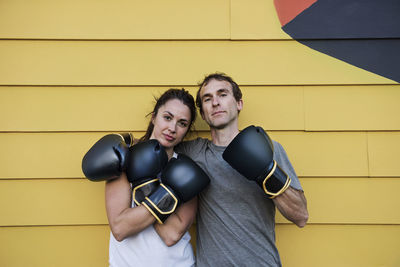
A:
[152, 213]
[120, 135]
[132, 138]
[285, 186]
[123, 138]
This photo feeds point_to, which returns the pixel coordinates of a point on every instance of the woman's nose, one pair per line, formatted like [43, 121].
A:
[172, 127]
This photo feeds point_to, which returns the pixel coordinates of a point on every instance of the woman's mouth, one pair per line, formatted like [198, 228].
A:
[169, 137]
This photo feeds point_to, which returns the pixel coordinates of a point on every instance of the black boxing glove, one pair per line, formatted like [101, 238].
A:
[106, 158]
[181, 180]
[251, 154]
[144, 162]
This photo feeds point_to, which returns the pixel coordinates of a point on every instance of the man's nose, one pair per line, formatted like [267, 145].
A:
[215, 101]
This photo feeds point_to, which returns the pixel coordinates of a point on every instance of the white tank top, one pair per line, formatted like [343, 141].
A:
[148, 249]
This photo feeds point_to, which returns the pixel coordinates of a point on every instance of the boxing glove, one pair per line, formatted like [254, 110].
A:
[181, 180]
[251, 154]
[144, 162]
[106, 158]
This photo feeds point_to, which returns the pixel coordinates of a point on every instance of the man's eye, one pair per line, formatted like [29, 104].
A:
[206, 99]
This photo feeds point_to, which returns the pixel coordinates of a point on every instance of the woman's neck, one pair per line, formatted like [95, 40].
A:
[170, 152]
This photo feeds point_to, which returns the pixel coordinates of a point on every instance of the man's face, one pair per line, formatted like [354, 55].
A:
[220, 108]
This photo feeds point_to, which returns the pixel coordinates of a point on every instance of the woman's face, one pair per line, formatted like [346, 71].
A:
[171, 123]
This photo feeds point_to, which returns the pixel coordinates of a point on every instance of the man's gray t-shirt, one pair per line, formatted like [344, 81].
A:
[235, 219]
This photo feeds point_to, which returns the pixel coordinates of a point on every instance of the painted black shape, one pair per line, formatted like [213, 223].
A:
[353, 19]
[380, 56]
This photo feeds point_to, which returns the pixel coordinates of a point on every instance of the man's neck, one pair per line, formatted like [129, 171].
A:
[223, 137]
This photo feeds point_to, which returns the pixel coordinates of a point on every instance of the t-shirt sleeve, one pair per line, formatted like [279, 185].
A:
[283, 161]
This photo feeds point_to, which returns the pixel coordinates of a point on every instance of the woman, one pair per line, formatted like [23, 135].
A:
[136, 238]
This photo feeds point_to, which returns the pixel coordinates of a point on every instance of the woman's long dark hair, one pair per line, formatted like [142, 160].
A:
[180, 94]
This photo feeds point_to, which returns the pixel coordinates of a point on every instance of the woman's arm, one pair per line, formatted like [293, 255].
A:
[124, 221]
[177, 223]
[293, 205]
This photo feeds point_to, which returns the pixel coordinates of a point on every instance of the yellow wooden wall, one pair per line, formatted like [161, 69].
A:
[72, 71]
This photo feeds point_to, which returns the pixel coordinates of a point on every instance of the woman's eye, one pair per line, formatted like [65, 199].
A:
[182, 124]
[168, 118]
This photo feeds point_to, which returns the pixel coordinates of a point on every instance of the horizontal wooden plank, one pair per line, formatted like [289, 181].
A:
[125, 108]
[351, 200]
[172, 63]
[120, 19]
[62, 246]
[76, 108]
[326, 153]
[59, 155]
[339, 245]
[325, 108]
[273, 107]
[276, 108]
[346, 108]
[384, 153]
[52, 202]
[56, 155]
[134, 20]
[314, 245]
[80, 202]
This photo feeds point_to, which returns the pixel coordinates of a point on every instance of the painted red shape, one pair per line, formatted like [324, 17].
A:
[289, 9]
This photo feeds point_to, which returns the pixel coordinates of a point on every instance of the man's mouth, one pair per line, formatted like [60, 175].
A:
[217, 113]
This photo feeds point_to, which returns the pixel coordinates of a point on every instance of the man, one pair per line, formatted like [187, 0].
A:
[236, 219]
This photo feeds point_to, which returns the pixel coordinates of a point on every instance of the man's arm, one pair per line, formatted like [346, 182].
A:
[260, 155]
[292, 204]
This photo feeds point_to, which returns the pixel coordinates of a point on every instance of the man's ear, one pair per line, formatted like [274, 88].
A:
[240, 104]
[202, 114]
